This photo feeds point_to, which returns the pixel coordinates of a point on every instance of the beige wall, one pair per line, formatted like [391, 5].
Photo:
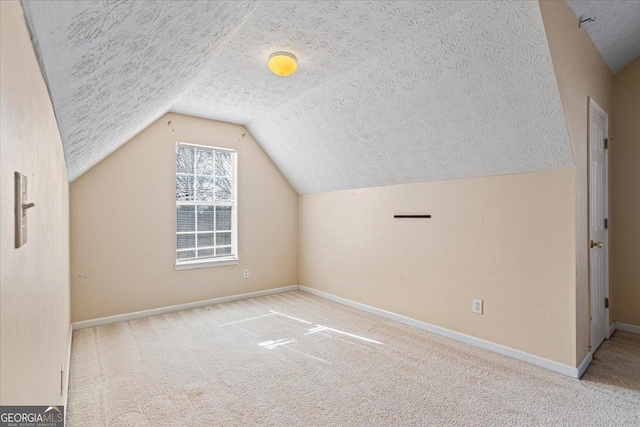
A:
[123, 227]
[625, 204]
[122, 261]
[547, 313]
[34, 290]
[508, 240]
[581, 73]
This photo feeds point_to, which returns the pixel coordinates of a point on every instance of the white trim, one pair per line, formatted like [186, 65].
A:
[612, 329]
[67, 372]
[234, 209]
[210, 147]
[180, 307]
[574, 372]
[599, 110]
[234, 217]
[552, 365]
[584, 365]
[204, 263]
[625, 327]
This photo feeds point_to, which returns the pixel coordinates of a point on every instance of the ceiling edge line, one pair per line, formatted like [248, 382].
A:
[35, 44]
[228, 38]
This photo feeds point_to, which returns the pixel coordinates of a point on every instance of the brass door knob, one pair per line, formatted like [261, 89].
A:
[596, 244]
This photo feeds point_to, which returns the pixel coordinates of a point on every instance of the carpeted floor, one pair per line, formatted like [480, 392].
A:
[298, 360]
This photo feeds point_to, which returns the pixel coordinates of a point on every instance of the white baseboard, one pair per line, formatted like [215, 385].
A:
[574, 372]
[625, 327]
[180, 307]
[584, 365]
[612, 329]
[571, 371]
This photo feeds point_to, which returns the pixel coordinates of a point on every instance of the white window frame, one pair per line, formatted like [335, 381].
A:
[220, 261]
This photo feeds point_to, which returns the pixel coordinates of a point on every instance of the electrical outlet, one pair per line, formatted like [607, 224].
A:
[245, 273]
[476, 306]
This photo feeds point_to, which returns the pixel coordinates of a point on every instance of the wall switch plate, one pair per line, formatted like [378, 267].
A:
[21, 207]
[476, 306]
[245, 273]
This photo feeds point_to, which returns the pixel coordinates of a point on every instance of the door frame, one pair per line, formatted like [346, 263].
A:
[593, 104]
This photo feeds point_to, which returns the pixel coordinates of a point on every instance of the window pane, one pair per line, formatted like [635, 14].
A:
[206, 253]
[204, 162]
[204, 177]
[205, 218]
[205, 239]
[186, 241]
[223, 190]
[223, 239]
[187, 218]
[204, 189]
[223, 218]
[223, 251]
[223, 164]
[186, 255]
[184, 188]
[184, 159]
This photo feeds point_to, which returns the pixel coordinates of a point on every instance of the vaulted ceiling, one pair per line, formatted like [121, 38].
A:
[386, 92]
[615, 29]
[114, 67]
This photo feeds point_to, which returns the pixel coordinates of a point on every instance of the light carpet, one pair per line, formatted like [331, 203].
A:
[295, 359]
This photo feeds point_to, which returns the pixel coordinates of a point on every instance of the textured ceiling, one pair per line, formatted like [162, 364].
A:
[615, 31]
[472, 95]
[114, 67]
[386, 92]
[327, 38]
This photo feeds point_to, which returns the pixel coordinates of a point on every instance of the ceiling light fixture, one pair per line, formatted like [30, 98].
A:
[282, 63]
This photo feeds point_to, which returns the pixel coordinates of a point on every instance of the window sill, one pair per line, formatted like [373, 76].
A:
[220, 262]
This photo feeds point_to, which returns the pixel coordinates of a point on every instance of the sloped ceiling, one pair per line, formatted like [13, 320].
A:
[114, 67]
[327, 38]
[615, 30]
[386, 92]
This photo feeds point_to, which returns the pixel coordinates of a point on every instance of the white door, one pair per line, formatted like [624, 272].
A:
[598, 213]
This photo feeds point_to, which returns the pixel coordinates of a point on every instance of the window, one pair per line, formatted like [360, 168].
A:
[206, 206]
